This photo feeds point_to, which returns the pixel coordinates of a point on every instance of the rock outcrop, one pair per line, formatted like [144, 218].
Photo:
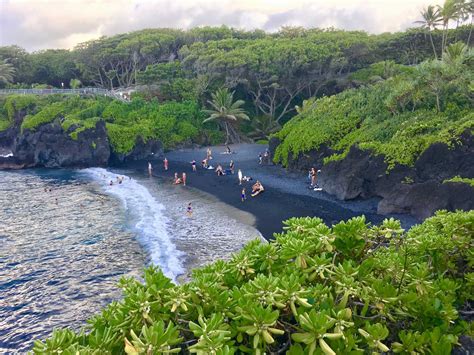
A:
[48, 145]
[419, 190]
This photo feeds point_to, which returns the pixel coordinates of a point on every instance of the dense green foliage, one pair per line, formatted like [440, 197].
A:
[349, 289]
[400, 115]
[171, 122]
[468, 181]
[273, 72]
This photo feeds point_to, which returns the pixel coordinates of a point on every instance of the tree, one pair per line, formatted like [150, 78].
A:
[7, 72]
[431, 19]
[447, 12]
[226, 113]
[75, 83]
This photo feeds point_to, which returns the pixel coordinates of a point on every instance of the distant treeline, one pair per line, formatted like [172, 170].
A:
[271, 71]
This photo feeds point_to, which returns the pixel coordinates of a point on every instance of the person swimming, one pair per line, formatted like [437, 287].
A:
[111, 183]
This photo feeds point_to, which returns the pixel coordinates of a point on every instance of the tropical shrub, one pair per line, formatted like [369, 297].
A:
[348, 289]
[399, 117]
[171, 122]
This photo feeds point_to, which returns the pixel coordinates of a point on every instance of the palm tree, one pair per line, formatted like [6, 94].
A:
[226, 113]
[447, 12]
[431, 19]
[7, 72]
[456, 53]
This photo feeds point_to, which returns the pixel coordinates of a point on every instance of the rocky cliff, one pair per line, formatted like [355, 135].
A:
[419, 190]
[49, 145]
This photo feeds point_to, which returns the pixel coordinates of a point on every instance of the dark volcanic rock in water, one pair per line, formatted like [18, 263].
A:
[50, 146]
[417, 190]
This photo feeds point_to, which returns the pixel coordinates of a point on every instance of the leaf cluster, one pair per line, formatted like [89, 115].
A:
[348, 289]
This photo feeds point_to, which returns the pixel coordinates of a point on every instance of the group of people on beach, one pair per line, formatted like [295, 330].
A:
[257, 187]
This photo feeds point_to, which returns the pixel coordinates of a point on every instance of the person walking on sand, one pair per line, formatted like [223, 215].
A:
[242, 195]
[193, 163]
[184, 179]
[189, 210]
[165, 164]
[239, 173]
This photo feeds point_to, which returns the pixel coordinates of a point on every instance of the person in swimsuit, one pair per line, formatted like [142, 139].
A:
[239, 173]
[228, 149]
[165, 163]
[189, 210]
[150, 169]
[242, 195]
[184, 179]
[231, 166]
[193, 163]
[219, 170]
[111, 183]
[257, 188]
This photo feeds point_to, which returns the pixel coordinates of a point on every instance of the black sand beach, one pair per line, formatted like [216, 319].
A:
[286, 194]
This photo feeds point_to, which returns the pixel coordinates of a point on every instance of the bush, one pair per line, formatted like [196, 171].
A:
[352, 288]
[399, 117]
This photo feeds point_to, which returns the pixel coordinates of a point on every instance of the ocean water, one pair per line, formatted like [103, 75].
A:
[68, 236]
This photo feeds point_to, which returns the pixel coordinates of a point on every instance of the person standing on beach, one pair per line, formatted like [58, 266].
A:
[313, 175]
[150, 169]
[239, 173]
[242, 195]
[189, 210]
[165, 164]
[231, 166]
[184, 179]
[175, 177]
[260, 157]
[209, 154]
[193, 163]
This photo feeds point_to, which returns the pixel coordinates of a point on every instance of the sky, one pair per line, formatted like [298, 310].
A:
[42, 24]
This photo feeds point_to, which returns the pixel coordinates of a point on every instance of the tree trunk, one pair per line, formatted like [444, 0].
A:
[432, 45]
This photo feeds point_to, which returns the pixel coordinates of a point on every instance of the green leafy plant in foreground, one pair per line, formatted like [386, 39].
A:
[347, 289]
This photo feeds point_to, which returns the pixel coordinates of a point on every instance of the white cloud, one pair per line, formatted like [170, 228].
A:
[40, 24]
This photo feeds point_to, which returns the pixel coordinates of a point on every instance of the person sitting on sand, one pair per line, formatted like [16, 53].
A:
[219, 170]
[257, 188]
[177, 180]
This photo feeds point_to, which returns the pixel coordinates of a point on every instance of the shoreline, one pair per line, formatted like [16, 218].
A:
[285, 195]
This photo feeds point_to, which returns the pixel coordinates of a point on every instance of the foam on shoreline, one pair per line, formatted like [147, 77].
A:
[146, 217]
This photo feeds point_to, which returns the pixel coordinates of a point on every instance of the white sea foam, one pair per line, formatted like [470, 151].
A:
[149, 221]
[6, 155]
